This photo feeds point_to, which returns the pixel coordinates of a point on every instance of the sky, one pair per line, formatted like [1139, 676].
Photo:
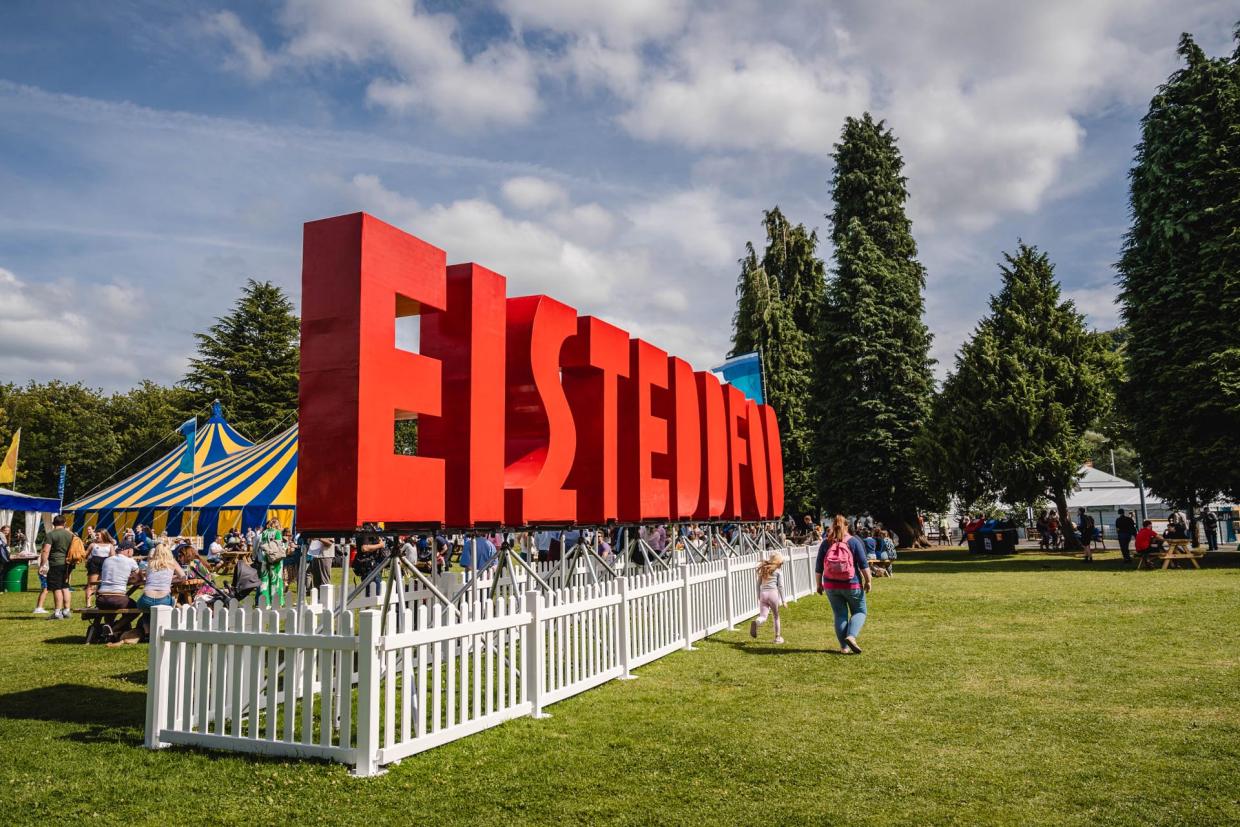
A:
[616, 156]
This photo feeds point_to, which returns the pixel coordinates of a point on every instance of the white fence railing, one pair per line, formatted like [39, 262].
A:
[305, 682]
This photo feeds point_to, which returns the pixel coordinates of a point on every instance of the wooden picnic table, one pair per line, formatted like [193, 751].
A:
[228, 561]
[185, 590]
[1180, 550]
[1175, 550]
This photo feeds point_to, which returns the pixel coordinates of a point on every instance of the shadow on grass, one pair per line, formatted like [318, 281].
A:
[759, 648]
[108, 715]
[961, 562]
[138, 677]
[76, 640]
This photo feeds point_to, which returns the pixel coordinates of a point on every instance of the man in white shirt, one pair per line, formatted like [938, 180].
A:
[114, 579]
[215, 552]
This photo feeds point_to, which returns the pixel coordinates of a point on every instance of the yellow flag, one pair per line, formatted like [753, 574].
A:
[8, 468]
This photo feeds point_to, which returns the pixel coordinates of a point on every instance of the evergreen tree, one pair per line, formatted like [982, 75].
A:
[249, 361]
[873, 387]
[1180, 280]
[1013, 417]
[771, 294]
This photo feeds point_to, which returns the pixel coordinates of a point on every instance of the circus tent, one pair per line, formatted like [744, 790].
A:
[235, 484]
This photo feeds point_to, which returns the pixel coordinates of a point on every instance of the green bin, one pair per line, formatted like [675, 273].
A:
[15, 575]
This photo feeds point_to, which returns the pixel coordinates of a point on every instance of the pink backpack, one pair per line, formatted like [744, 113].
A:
[838, 564]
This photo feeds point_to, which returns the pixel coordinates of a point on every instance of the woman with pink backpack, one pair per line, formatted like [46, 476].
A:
[845, 577]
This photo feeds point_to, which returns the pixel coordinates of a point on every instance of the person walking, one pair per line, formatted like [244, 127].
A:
[53, 563]
[270, 557]
[845, 577]
[1125, 530]
[1209, 524]
[770, 594]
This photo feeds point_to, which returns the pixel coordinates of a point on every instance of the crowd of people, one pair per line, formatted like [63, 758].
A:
[140, 559]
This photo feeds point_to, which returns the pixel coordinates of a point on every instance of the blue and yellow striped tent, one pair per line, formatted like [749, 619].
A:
[235, 484]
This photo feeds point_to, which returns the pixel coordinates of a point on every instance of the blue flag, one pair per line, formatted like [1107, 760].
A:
[190, 431]
[745, 372]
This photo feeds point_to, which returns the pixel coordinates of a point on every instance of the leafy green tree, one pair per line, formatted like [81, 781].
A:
[873, 386]
[772, 293]
[249, 361]
[1180, 283]
[61, 423]
[1013, 416]
[144, 420]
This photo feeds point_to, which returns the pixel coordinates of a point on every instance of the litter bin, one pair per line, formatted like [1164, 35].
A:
[993, 541]
[15, 575]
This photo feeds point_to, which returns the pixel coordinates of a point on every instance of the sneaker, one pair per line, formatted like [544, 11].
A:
[753, 628]
[779, 640]
[55, 615]
[39, 610]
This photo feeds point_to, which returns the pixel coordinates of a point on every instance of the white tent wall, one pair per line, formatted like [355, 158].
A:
[32, 530]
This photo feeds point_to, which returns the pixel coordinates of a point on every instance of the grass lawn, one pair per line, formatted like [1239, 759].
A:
[1025, 690]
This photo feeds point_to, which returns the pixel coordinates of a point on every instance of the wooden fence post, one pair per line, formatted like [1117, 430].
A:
[366, 761]
[157, 677]
[536, 654]
[686, 613]
[624, 644]
[727, 592]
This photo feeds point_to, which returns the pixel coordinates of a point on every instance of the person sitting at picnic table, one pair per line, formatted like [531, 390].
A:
[118, 573]
[160, 569]
[1176, 531]
[1148, 542]
[196, 569]
[215, 552]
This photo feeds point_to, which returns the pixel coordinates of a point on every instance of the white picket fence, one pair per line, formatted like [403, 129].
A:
[308, 682]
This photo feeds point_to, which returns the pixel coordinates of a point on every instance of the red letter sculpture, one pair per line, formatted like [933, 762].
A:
[774, 459]
[686, 440]
[541, 438]
[758, 493]
[358, 275]
[714, 496]
[738, 451]
[468, 339]
[643, 436]
[594, 360]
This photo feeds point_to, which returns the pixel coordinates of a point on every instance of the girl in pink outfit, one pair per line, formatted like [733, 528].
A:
[770, 593]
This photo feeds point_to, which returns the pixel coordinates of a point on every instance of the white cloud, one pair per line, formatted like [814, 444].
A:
[67, 329]
[527, 192]
[248, 54]
[421, 51]
[1098, 304]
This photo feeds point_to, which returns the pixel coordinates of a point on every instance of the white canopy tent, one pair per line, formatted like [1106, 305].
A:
[35, 508]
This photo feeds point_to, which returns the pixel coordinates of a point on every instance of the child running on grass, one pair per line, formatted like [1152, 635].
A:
[770, 594]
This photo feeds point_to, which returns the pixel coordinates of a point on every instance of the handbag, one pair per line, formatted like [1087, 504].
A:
[274, 551]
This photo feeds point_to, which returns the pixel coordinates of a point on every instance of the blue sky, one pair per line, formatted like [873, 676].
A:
[616, 156]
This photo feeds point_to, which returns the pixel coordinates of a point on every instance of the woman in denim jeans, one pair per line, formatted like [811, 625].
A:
[160, 569]
[846, 594]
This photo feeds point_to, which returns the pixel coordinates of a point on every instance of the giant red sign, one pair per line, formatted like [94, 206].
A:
[527, 413]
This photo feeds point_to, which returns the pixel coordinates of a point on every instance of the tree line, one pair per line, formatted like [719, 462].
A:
[1033, 393]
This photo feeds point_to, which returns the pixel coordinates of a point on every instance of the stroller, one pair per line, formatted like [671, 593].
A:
[245, 582]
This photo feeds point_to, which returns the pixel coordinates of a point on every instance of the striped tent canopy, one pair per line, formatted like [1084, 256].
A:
[235, 483]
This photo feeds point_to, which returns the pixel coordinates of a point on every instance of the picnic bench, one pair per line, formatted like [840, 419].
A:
[1176, 551]
[228, 561]
[885, 565]
[101, 621]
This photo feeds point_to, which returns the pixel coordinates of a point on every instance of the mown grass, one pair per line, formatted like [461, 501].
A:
[1026, 690]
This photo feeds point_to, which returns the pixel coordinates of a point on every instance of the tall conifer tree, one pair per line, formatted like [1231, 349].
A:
[249, 360]
[773, 293]
[873, 387]
[1180, 280]
[1012, 419]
